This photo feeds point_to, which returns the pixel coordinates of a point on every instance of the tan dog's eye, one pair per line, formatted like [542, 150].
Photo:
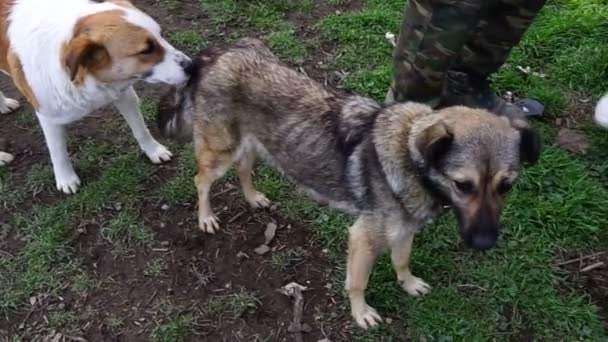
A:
[465, 187]
[504, 187]
[150, 48]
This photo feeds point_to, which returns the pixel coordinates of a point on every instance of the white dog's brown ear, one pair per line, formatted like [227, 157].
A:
[434, 142]
[82, 55]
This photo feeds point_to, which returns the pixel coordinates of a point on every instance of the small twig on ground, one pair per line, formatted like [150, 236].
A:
[593, 266]
[221, 193]
[584, 257]
[236, 216]
[472, 285]
[294, 290]
[151, 298]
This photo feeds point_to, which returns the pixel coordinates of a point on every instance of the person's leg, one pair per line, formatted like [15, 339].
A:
[498, 32]
[432, 34]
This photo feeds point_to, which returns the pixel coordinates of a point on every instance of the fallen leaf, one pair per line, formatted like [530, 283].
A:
[270, 232]
[572, 141]
[262, 249]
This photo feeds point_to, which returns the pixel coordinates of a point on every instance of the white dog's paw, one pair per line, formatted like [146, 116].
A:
[366, 316]
[209, 224]
[158, 153]
[5, 158]
[415, 286]
[258, 200]
[9, 105]
[68, 183]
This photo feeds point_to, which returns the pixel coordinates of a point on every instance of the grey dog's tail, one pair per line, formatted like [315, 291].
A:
[175, 115]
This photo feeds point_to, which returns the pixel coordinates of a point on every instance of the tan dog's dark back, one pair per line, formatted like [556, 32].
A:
[394, 167]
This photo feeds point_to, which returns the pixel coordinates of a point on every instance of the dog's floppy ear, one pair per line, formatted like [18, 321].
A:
[434, 142]
[529, 143]
[84, 54]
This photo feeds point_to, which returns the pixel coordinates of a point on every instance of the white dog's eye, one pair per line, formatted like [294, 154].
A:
[150, 48]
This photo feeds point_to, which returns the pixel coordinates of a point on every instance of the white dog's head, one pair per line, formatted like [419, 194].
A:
[121, 44]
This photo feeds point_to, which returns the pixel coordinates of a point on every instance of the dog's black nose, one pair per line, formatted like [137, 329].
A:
[188, 66]
[483, 241]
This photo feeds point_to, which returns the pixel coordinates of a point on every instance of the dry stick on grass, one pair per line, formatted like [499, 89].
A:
[592, 266]
[294, 290]
[567, 262]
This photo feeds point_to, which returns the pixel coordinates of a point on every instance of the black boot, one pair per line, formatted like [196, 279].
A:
[462, 89]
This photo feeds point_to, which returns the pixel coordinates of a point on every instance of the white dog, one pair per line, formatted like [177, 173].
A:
[601, 112]
[71, 57]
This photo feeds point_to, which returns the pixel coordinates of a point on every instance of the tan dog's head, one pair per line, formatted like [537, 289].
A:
[120, 43]
[472, 158]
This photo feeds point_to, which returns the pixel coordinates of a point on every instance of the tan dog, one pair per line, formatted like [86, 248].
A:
[394, 167]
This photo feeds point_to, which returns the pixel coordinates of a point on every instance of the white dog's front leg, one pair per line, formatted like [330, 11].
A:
[5, 158]
[128, 106]
[67, 180]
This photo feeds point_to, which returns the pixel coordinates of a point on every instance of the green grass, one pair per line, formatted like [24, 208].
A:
[46, 258]
[281, 260]
[181, 188]
[155, 268]
[266, 17]
[188, 41]
[173, 330]
[231, 306]
[125, 231]
[286, 44]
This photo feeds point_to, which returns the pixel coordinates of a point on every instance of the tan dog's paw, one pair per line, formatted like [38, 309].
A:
[258, 200]
[209, 224]
[9, 105]
[415, 286]
[5, 158]
[366, 316]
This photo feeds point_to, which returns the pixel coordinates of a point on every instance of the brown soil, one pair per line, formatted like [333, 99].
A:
[593, 282]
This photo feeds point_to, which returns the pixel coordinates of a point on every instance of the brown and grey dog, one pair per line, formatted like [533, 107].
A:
[394, 167]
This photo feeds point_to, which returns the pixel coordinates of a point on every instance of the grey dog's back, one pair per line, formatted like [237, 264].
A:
[311, 134]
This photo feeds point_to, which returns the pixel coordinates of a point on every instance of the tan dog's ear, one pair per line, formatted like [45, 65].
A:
[529, 144]
[434, 142]
[83, 53]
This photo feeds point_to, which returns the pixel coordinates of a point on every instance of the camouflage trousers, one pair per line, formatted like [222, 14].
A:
[471, 36]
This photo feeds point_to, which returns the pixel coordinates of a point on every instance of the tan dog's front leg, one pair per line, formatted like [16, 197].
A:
[363, 250]
[400, 255]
